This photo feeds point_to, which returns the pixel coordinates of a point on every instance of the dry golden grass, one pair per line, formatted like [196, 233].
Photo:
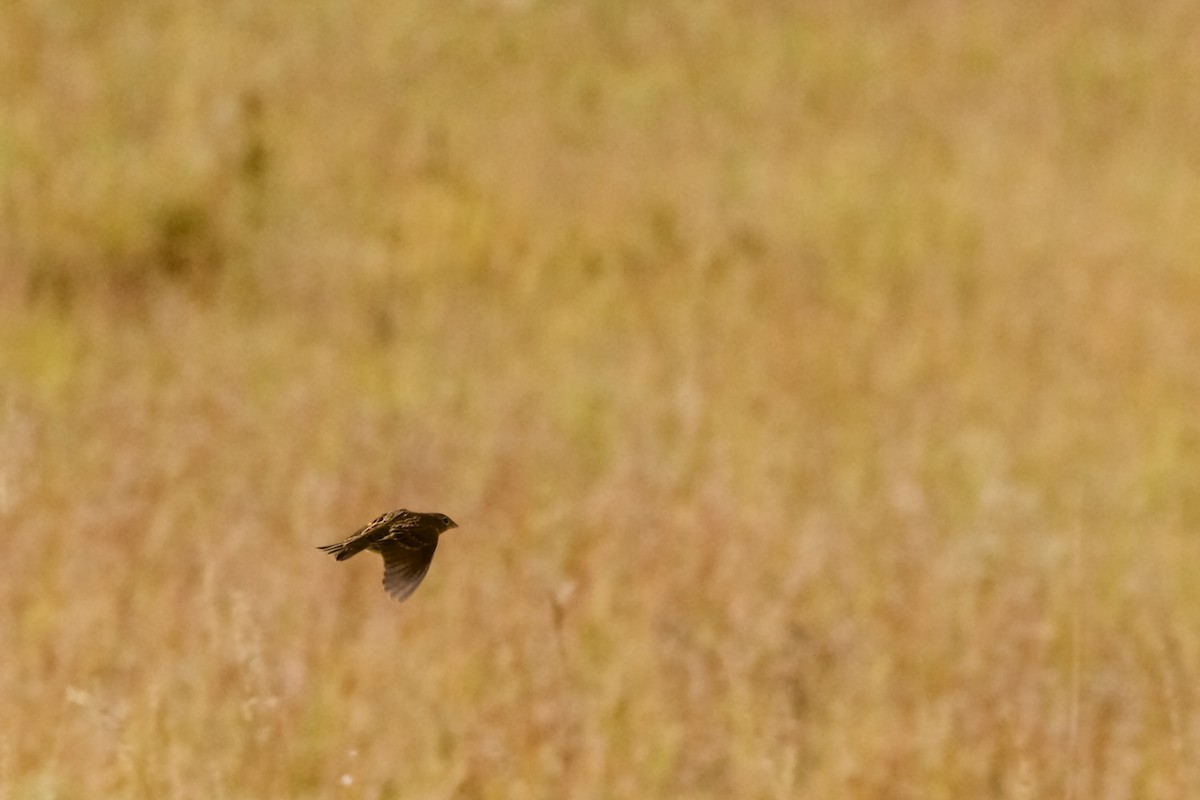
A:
[815, 385]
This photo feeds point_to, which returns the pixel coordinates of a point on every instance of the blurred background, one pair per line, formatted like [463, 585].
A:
[815, 385]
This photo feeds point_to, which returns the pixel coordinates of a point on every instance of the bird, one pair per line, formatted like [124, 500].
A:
[406, 540]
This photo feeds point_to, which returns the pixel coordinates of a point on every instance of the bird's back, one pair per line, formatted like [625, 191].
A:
[365, 536]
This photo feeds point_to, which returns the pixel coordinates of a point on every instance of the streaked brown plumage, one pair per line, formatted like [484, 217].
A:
[406, 540]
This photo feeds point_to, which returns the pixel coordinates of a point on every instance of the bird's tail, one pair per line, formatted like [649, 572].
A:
[343, 550]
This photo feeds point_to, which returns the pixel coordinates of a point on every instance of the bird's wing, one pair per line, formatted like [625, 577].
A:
[383, 522]
[405, 562]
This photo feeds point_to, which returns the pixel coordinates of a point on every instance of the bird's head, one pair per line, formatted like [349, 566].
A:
[445, 522]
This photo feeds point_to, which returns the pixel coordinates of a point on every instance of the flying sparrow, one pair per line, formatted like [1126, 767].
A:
[406, 540]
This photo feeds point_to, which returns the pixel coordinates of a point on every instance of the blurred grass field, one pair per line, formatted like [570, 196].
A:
[815, 385]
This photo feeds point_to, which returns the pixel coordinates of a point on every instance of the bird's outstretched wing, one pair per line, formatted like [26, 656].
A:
[405, 562]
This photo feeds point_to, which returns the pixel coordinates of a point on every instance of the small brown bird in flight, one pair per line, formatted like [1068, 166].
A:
[406, 540]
